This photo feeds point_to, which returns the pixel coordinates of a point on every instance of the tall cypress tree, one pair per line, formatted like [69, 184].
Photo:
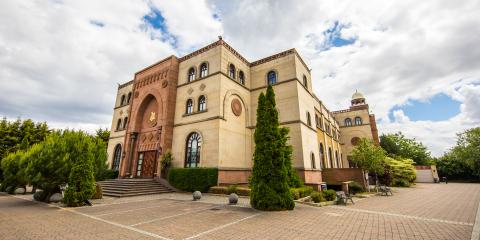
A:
[270, 173]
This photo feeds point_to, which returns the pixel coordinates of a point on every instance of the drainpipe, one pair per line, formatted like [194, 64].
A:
[133, 137]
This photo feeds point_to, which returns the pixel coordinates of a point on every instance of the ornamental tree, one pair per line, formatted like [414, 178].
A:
[369, 156]
[270, 173]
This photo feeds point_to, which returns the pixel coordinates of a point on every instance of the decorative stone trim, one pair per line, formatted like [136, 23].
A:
[125, 84]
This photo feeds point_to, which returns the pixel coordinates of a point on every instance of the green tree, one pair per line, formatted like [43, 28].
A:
[398, 146]
[269, 182]
[81, 184]
[402, 171]
[103, 134]
[20, 135]
[463, 160]
[369, 156]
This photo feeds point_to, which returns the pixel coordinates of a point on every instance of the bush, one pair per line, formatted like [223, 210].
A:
[98, 192]
[295, 193]
[317, 197]
[301, 192]
[81, 184]
[402, 171]
[218, 190]
[193, 179]
[232, 189]
[354, 187]
[108, 174]
[329, 194]
[40, 196]
[243, 191]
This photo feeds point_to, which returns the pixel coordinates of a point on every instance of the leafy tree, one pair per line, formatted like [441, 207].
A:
[103, 134]
[270, 182]
[398, 146]
[369, 156]
[20, 135]
[463, 160]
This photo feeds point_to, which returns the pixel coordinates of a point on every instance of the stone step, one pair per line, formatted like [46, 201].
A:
[132, 187]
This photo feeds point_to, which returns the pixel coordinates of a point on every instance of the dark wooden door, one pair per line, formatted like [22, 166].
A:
[146, 164]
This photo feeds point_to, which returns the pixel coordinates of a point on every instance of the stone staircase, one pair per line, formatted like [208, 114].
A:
[132, 187]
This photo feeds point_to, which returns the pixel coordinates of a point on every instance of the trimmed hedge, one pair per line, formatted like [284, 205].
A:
[330, 195]
[301, 192]
[193, 179]
[317, 197]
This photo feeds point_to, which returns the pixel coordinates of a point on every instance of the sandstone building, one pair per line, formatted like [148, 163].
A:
[202, 108]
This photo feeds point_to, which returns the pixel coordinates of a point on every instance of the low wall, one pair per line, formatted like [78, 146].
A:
[426, 174]
[336, 176]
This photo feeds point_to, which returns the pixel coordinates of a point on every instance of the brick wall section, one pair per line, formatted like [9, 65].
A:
[373, 126]
[336, 176]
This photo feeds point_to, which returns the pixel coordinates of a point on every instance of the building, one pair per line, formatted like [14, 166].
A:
[202, 107]
[356, 123]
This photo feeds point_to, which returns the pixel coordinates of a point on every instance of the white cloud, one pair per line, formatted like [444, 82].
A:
[60, 67]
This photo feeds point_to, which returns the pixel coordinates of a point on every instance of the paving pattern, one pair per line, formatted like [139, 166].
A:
[428, 211]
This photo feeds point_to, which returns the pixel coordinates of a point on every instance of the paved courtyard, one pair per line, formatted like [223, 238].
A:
[428, 211]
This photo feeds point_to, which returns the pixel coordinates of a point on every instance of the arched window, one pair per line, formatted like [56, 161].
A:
[191, 74]
[321, 155]
[312, 158]
[305, 81]
[330, 157]
[358, 121]
[202, 104]
[129, 98]
[241, 78]
[309, 122]
[348, 122]
[119, 124]
[203, 70]
[231, 71]
[117, 155]
[271, 78]
[189, 108]
[316, 120]
[122, 100]
[192, 150]
[125, 122]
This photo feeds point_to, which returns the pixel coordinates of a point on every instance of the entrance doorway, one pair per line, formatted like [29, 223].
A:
[146, 164]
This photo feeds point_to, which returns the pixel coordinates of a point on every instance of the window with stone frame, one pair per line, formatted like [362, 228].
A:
[241, 77]
[203, 70]
[358, 121]
[202, 104]
[191, 74]
[189, 106]
[231, 71]
[272, 77]
[192, 150]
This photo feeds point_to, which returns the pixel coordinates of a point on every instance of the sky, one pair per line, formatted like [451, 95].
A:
[416, 62]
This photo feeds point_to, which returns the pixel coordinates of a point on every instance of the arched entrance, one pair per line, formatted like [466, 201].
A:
[147, 125]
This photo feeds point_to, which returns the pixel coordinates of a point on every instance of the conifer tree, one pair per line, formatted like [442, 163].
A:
[270, 173]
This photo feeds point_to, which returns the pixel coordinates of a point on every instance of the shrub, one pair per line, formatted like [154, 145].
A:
[243, 191]
[108, 174]
[81, 184]
[317, 197]
[402, 171]
[98, 192]
[301, 192]
[218, 190]
[329, 194]
[193, 179]
[232, 189]
[167, 160]
[40, 196]
[354, 187]
[295, 193]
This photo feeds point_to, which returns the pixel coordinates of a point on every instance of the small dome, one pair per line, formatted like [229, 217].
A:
[357, 95]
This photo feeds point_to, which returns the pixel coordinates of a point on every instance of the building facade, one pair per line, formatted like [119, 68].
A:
[355, 123]
[202, 108]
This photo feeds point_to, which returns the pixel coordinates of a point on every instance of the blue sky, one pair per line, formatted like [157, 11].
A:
[440, 107]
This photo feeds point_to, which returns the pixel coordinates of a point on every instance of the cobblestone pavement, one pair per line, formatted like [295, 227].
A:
[428, 211]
